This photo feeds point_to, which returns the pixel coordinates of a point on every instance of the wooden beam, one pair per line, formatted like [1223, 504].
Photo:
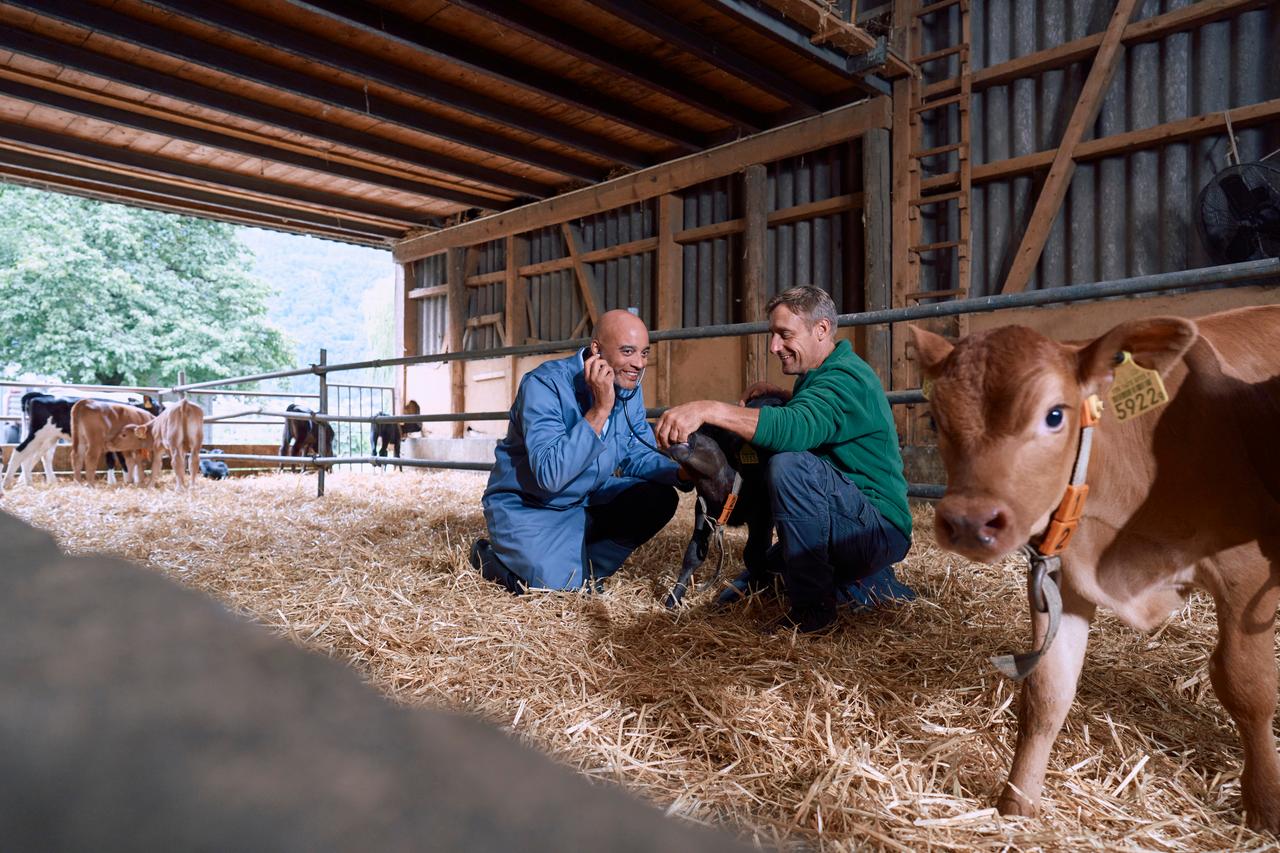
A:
[668, 271]
[1064, 164]
[88, 62]
[214, 201]
[808, 210]
[486, 278]
[595, 256]
[582, 273]
[877, 219]
[207, 54]
[810, 134]
[406, 327]
[515, 298]
[60, 146]
[456, 267]
[494, 319]
[754, 282]
[440, 45]
[699, 43]
[586, 46]
[1122, 143]
[1149, 29]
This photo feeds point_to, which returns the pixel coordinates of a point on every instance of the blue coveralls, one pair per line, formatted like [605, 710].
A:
[551, 466]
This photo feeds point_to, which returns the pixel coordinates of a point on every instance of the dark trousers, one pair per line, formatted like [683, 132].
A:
[617, 528]
[829, 534]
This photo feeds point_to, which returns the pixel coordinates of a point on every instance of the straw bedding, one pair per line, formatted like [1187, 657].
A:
[892, 733]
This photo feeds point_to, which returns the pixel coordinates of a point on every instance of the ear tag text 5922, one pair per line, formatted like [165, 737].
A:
[1136, 390]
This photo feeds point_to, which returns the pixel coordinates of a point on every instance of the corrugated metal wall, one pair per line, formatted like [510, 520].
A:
[812, 251]
[1125, 215]
[487, 298]
[711, 266]
[625, 282]
[555, 305]
[433, 313]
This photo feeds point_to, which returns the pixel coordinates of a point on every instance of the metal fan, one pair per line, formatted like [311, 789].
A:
[1240, 213]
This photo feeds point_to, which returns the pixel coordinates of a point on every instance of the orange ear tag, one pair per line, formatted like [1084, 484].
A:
[1136, 390]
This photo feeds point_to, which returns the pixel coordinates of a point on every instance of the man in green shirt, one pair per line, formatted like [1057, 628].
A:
[834, 472]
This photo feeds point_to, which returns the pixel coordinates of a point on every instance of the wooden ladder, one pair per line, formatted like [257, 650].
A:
[924, 99]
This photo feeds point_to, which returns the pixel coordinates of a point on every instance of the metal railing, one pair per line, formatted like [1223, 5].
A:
[1229, 275]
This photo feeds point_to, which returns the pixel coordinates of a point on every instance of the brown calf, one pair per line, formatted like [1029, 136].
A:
[178, 433]
[96, 427]
[1187, 495]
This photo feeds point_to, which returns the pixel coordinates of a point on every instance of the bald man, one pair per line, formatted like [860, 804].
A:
[575, 487]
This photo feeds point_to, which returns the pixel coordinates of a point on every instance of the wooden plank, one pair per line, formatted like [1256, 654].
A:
[457, 275]
[595, 256]
[755, 207]
[668, 272]
[581, 272]
[710, 232]
[816, 209]
[429, 292]
[877, 216]
[1120, 143]
[495, 319]
[1150, 29]
[486, 278]
[810, 134]
[515, 301]
[406, 324]
[1064, 164]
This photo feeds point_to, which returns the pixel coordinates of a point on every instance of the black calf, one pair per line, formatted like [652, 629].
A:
[302, 438]
[715, 458]
[390, 435]
[214, 469]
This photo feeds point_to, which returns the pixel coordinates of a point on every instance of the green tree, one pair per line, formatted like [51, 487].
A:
[101, 293]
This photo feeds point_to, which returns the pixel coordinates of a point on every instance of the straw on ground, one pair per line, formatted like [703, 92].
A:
[893, 733]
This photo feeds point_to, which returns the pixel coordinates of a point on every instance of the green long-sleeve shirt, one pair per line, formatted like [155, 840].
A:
[839, 411]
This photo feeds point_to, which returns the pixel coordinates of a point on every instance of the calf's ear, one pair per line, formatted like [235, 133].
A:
[931, 350]
[1157, 343]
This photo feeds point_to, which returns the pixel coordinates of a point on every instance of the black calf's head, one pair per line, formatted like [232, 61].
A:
[712, 474]
[712, 456]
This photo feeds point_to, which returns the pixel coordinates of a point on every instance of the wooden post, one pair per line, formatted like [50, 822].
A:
[669, 295]
[877, 243]
[514, 310]
[906, 269]
[407, 318]
[457, 304]
[755, 209]
[1064, 164]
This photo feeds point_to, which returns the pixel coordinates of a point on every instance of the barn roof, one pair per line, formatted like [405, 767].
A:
[369, 123]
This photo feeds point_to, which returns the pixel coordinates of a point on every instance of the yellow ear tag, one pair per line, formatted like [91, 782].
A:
[1136, 390]
[926, 387]
[747, 455]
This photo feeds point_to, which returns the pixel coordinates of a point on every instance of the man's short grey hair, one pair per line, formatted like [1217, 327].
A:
[807, 301]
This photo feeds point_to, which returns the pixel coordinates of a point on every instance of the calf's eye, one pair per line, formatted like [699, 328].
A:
[1055, 418]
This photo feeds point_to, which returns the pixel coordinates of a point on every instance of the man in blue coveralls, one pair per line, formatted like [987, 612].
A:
[573, 489]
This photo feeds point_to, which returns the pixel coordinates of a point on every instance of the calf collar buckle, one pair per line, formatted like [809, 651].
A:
[1044, 560]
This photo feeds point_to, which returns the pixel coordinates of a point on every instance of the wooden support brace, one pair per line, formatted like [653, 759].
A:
[755, 206]
[581, 272]
[515, 301]
[1064, 164]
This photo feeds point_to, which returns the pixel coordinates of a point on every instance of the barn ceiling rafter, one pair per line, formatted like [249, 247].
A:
[371, 122]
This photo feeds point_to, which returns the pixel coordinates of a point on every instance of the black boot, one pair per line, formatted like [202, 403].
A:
[490, 567]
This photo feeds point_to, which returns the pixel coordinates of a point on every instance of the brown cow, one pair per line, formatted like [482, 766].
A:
[96, 427]
[178, 433]
[1187, 495]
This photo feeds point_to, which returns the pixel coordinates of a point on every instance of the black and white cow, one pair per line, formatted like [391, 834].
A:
[48, 419]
